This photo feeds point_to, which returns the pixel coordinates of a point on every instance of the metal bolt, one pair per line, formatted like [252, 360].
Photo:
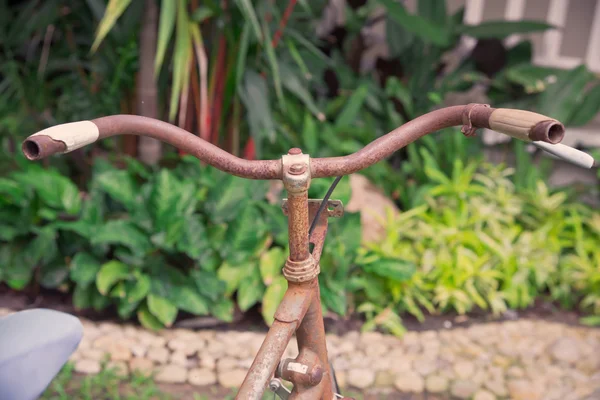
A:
[294, 151]
[297, 169]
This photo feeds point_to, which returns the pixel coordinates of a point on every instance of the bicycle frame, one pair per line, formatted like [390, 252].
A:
[300, 310]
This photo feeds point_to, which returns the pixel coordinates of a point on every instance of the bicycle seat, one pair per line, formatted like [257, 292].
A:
[34, 346]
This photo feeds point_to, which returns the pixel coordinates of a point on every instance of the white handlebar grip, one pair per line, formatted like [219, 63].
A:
[567, 153]
[74, 134]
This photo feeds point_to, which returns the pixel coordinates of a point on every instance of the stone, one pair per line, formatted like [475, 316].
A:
[138, 350]
[496, 386]
[520, 389]
[483, 395]
[232, 378]
[409, 382]
[372, 204]
[464, 369]
[202, 377]
[402, 365]
[182, 346]
[515, 372]
[94, 354]
[425, 366]
[463, 389]
[179, 358]
[436, 384]
[207, 361]
[565, 350]
[227, 363]
[85, 366]
[119, 352]
[501, 361]
[171, 373]
[120, 368]
[361, 378]
[384, 379]
[141, 365]
[158, 354]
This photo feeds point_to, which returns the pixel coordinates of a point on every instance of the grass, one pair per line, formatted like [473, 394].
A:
[109, 385]
[106, 385]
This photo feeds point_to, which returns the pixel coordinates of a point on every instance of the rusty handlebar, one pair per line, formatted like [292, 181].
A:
[522, 125]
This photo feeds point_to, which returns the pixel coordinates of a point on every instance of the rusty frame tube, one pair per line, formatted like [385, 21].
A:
[288, 317]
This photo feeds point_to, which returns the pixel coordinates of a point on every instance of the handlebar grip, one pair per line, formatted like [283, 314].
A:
[569, 154]
[526, 125]
[62, 138]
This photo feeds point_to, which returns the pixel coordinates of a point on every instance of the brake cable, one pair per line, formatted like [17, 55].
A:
[323, 205]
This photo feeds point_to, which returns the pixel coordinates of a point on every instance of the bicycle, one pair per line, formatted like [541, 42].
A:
[299, 312]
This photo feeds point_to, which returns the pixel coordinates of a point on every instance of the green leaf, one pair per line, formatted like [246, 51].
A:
[124, 233]
[272, 298]
[165, 30]
[242, 54]
[298, 87]
[120, 186]
[83, 269]
[309, 134]
[193, 240]
[138, 290]
[223, 310]
[588, 109]
[82, 297]
[243, 236]
[334, 298]
[42, 249]
[181, 56]
[232, 275]
[416, 24]
[352, 108]
[395, 269]
[201, 13]
[255, 96]
[188, 298]
[53, 275]
[274, 65]
[271, 264]
[54, 189]
[561, 99]
[250, 16]
[148, 320]
[208, 284]
[433, 10]
[592, 320]
[109, 274]
[114, 9]
[502, 29]
[251, 291]
[162, 309]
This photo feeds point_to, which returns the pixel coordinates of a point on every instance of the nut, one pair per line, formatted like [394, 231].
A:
[297, 169]
[294, 151]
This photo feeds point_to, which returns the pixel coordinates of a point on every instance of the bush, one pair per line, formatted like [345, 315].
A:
[182, 239]
[473, 241]
[193, 239]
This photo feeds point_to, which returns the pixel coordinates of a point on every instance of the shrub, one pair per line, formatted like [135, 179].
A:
[472, 241]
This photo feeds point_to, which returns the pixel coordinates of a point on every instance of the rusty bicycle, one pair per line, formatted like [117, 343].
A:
[299, 313]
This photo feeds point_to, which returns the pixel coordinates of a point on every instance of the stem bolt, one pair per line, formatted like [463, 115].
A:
[297, 169]
[294, 151]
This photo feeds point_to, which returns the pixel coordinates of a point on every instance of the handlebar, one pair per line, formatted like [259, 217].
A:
[524, 125]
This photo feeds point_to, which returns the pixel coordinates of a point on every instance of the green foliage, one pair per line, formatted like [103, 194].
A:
[478, 243]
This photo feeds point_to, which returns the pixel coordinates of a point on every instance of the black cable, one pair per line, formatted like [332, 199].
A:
[323, 205]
